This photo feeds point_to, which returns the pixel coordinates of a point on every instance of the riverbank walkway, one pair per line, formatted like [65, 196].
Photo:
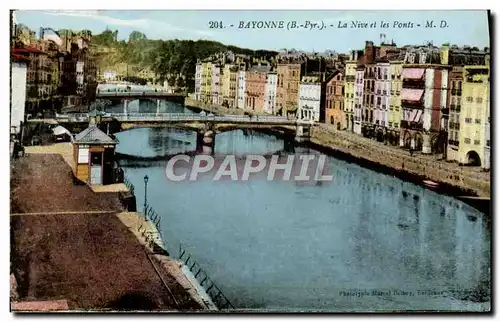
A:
[70, 244]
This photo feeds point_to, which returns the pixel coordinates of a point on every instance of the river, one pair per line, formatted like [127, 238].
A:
[365, 242]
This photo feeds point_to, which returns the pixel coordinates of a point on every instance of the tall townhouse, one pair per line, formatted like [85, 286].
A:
[310, 98]
[228, 85]
[198, 81]
[395, 112]
[256, 79]
[370, 53]
[206, 82]
[334, 100]
[423, 98]
[474, 115]
[458, 57]
[455, 105]
[358, 98]
[241, 89]
[215, 86]
[270, 93]
[288, 88]
[382, 96]
[349, 81]
[369, 102]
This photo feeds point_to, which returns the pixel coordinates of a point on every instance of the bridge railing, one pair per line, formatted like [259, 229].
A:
[80, 117]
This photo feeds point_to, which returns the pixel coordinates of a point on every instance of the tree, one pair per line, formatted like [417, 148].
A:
[136, 36]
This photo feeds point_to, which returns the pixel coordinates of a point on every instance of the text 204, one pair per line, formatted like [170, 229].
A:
[215, 25]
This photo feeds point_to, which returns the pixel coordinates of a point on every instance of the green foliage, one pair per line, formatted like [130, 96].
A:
[169, 59]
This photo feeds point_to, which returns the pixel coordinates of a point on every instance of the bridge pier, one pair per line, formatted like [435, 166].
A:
[303, 133]
[125, 106]
[205, 142]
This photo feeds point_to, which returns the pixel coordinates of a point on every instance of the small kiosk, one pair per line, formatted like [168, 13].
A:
[93, 156]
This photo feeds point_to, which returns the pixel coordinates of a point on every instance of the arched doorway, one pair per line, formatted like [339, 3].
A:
[352, 123]
[407, 139]
[379, 133]
[332, 120]
[338, 126]
[418, 141]
[473, 158]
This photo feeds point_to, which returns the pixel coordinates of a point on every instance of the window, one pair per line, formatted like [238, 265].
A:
[467, 140]
[479, 100]
[477, 121]
[469, 99]
[477, 142]
[468, 120]
[487, 142]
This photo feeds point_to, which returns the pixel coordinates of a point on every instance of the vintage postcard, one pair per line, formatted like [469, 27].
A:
[250, 161]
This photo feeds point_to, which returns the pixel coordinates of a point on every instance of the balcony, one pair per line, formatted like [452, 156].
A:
[445, 110]
[414, 83]
[413, 104]
[411, 125]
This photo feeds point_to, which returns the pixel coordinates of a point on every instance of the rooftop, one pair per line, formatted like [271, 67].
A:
[92, 134]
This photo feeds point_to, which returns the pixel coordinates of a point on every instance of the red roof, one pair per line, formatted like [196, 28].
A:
[28, 49]
[19, 57]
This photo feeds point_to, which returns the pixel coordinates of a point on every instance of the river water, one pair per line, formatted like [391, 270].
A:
[365, 242]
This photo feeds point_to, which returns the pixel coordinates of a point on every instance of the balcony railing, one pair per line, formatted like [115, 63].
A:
[411, 125]
[413, 104]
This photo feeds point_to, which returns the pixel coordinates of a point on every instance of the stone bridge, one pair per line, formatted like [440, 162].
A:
[206, 126]
[126, 96]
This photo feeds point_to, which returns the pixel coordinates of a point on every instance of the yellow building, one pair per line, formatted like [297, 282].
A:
[395, 111]
[146, 73]
[228, 85]
[474, 115]
[349, 90]
[206, 82]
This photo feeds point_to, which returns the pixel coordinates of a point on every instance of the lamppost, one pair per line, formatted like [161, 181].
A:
[146, 178]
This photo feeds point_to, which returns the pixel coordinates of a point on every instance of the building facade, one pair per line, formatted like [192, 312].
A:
[270, 93]
[206, 82]
[288, 88]
[309, 99]
[455, 106]
[474, 115]
[241, 89]
[334, 101]
[255, 80]
[215, 86]
[395, 111]
[349, 89]
[18, 76]
[382, 96]
[228, 84]
[198, 81]
[358, 98]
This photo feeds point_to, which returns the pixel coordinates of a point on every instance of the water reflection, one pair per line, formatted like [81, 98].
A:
[281, 245]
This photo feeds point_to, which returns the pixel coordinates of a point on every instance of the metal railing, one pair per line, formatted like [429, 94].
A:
[183, 117]
[215, 293]
[129, 185]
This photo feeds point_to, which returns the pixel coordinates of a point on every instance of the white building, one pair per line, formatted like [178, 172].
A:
[358, 99]
[270, 93]
[197, 82]
[487, 138]
[309, 99]
[241, 89]
[18, 94]
[109, 75]
[382, 92]
[216, 93]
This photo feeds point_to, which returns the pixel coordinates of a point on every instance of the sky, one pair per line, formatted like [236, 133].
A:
[462, 27]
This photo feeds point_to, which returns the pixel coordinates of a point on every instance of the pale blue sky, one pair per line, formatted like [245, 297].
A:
[465, 27]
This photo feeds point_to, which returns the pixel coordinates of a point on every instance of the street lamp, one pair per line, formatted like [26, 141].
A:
[146, 178]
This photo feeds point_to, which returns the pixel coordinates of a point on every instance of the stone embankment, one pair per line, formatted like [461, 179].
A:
[470, 179]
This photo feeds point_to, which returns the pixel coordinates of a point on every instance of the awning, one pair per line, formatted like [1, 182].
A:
[411, 94]
[58, 130]
[413, 73]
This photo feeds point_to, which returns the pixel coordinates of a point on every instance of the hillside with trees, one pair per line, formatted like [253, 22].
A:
[171, 60]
